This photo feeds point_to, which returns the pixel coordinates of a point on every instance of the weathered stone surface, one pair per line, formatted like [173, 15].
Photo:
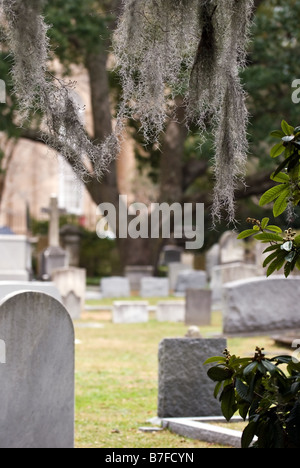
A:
[170, 311]
[10, 287]
[231, 249]
[115, 287]
[191, 280]
[228, 273]
[184, 387]
[130, 312]
[198, 307]
[174, 270]
[15, 258]
[135, 274]
[37, 381]
[154, 287]
[261, 305]
[71, 282]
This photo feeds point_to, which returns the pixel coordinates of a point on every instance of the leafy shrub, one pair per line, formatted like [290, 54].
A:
[260, 390]
[285, 247]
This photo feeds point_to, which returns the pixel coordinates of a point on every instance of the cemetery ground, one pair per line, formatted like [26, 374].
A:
[117, 378]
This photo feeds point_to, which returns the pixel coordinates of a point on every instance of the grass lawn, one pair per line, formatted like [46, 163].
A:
[116, 380]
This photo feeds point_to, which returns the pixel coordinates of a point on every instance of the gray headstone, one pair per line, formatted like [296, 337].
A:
[130, 312]
[198, 307]
[10, 287]
[37, 381]
[174, 270]
[155, 287]
[212, 259]
[135, 274]
[184, 387]
[191, 280]
[231, 248]
[71, 281]
[171, 254]
[72, 303]
[53, 258]
[261, 305]
[170, 311]
[228, 273]
[115, 287]
[15, 255]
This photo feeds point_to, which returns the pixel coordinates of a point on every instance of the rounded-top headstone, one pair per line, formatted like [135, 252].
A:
[37, 378]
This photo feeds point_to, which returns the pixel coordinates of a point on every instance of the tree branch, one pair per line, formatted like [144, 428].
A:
[192, 170]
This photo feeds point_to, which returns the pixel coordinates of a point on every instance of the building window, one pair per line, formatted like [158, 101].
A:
[70, 189]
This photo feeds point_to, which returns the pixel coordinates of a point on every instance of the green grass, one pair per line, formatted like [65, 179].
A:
[116, 381]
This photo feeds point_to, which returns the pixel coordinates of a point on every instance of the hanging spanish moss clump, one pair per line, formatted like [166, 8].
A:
[231, 118]
[38, 91]
[154, 45]
[195, 48]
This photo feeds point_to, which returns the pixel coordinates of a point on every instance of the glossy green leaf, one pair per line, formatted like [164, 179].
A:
[219, 359]
[270, 258]
[275, 229]
[250, 368]
[271, 248]
[268, 237]
[219, 374]
[272, 194]
[229, 406]
[265, 223]
[277, 134]
[281, 177]
[286, 128]
[275, 265]
[277, 150]
[247, 233]
[248, 435]
[281, 203]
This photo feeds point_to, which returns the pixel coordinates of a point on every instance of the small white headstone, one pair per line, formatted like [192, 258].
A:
[155, 287]
[130, 312]
[170, 311]
[115, 287]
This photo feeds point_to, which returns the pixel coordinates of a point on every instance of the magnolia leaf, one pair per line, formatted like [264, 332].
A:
[219, 359]
[248, 435]
[248, 233]
[271, 248]
[271, 257]
[286, 128]
[229, 406]
[219, 374]
[277, 150]
[250, 368]
[274, 229]
[278, 262]
[265, 223]
[268, 237]
[281, 203]
[277, 134]
[281, 177]
[272, 194]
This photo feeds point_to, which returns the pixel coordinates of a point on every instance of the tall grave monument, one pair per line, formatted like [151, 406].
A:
[54, 257]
